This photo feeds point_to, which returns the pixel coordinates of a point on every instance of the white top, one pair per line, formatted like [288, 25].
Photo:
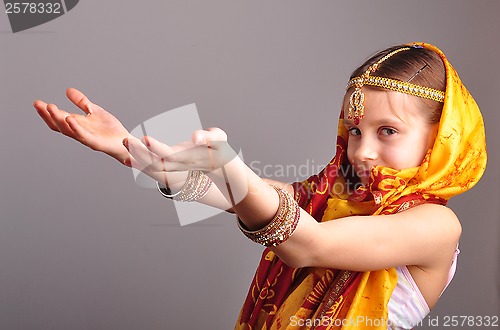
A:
[407, 307]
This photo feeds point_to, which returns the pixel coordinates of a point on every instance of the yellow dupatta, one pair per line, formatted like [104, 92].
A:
[282, 297]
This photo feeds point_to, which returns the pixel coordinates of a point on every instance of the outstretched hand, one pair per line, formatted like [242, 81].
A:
[96, 129]
[101, 131]
[208, 151]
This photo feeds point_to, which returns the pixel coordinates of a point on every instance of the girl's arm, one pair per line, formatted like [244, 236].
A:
[101, 131]
[358, 243]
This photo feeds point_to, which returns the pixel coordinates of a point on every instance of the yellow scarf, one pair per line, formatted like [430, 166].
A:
[281, 297]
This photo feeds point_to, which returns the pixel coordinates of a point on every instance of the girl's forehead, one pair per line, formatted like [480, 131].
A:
[386, 104]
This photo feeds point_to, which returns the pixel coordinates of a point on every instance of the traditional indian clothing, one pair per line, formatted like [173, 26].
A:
[282, 297]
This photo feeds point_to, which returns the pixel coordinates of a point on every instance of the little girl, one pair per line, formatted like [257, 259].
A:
[368, 243]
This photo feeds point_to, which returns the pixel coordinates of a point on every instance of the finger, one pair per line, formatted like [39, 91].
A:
[209, 136]
[160, 176]
[41, 109]
[219, 134]
[196, 156]
[80, 100]
[184, 156]
[146, 160]
[199, 137]
[218, 149]
[130, 161]
[202, 137]
[59, 118]
[80, 133]
[178, 167]
[157, 147]
[185, 152]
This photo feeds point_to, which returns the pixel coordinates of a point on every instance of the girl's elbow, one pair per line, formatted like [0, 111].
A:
[294, 260]
[294, 263]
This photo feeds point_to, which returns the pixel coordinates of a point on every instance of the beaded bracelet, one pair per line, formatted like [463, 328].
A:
[195, 188]
[281, 227]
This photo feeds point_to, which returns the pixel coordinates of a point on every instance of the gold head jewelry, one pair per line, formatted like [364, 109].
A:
[356, 100]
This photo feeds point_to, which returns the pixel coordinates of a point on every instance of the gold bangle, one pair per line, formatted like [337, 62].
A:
[281, 227]
[195, 188]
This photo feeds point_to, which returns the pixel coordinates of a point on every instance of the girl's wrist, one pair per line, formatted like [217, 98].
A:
[194, 188]
[174, 181]
[232, 180]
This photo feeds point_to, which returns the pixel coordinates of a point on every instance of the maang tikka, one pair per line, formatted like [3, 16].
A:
[356, 100]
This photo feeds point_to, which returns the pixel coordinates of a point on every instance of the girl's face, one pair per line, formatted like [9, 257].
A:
[393, 133]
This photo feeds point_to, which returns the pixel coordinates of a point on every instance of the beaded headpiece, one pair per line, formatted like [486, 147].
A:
[356, 100]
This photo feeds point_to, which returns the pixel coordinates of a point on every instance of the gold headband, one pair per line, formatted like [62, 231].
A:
[356, 107]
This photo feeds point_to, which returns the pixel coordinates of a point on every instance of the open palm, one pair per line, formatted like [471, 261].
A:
[97, 129]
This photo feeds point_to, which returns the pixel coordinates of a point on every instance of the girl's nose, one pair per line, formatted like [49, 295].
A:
[366, 151]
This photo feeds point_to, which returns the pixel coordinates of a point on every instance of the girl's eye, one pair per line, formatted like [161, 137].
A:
[354, 131]
[388, 131]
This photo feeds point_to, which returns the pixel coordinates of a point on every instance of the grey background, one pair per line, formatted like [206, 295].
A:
[83, 247]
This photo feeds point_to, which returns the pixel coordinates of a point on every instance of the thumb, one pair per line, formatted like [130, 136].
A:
[213, 134]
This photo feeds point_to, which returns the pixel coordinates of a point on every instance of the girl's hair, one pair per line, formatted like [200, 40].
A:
[419, 66]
